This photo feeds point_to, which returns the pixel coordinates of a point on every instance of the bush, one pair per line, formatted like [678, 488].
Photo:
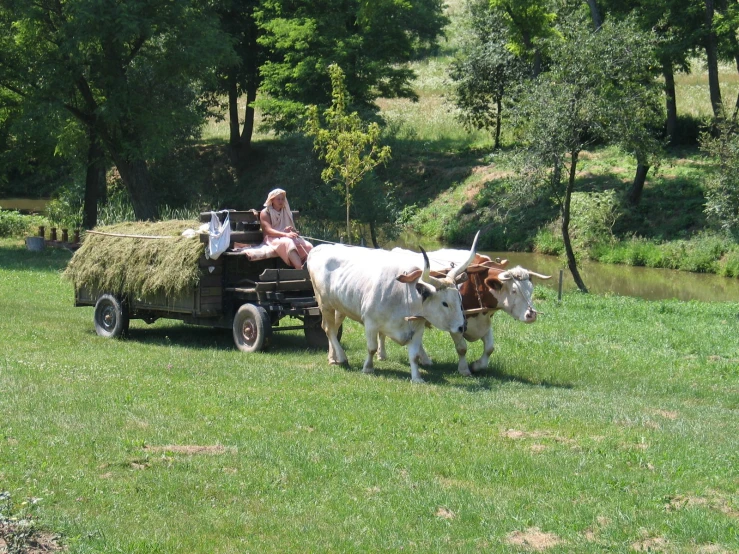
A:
[547, 241]
[728, 265]
[13, 224]
[688, 130]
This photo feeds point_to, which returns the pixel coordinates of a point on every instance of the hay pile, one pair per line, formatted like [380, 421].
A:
[136, 266]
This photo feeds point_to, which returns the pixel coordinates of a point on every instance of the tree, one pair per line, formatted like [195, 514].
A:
[596, 88]
[349, 150]
[372, 42]
[679, 26]
[528, 21]
[722, 187]
[240, 76]
[120, 69]
[485, 70]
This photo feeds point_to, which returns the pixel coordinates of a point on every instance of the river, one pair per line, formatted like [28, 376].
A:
[642, 282]
[624, 280]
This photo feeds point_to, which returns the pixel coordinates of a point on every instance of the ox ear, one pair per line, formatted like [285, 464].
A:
[425, 290]
[414, 275]
[493, 282]
[462, 278]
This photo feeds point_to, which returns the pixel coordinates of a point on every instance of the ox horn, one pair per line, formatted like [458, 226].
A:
[427, 277]
[539, 275]
[454, 272]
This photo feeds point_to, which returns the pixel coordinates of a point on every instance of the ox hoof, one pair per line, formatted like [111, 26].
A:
[466, 373]
[418, 381]
[368, 370]
[345, 363]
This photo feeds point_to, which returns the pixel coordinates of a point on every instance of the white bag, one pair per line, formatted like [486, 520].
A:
[219, 236]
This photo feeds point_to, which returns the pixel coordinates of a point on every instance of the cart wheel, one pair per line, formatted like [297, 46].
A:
[315, 335]
[111, 316]
[252, 328]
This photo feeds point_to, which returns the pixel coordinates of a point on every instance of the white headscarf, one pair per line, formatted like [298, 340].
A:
[280, 219]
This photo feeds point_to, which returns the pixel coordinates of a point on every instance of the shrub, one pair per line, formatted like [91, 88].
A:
[13, 224]
[547, 241]
[728, 265]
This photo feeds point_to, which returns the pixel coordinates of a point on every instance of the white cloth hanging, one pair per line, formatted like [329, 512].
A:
[219, 235]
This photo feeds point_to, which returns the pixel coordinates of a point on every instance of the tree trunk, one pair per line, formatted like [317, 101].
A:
[248, 132]
[348, 221]
[712, 60]
[135, 176]
[634, 196]
[595, 14]
[499, 106]
[670, 99]
[94, 180]
[373, 234]
[234, 138]
[571, 261]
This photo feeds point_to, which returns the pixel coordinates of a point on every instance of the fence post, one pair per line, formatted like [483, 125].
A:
[561, 275]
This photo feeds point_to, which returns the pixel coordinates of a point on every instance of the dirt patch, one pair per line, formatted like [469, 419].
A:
[667, 414]
[39, 543]
[516, 434]
[445, 513]
[652, 544]
[533, 538]
[714, 501]
[191, 449]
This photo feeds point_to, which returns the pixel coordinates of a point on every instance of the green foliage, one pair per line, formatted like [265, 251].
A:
[485, 70]
[137, 89]
[593, 216]
[703, 253]
[371, 41]
[13, 224]
[17, 527]
[349, 149]
[722, 188]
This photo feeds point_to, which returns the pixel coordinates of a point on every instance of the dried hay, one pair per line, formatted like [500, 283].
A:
[136, 266]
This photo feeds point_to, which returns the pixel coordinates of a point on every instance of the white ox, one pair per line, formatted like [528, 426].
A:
[386, 293]
[490, 288]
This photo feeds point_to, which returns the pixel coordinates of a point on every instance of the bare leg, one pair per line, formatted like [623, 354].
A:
[295, 259]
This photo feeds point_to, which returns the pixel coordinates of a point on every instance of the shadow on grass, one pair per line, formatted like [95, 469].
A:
[446, 374]
[203, 337]
[17, 258]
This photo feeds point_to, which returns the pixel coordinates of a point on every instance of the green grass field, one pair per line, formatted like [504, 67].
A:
[609, 425]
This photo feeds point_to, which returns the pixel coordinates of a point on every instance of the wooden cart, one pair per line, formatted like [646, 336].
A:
[249, 297]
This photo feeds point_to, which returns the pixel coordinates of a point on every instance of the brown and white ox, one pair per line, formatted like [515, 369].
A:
[490, 287]
[388, 294]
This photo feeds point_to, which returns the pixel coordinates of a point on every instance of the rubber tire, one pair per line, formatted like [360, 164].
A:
[315, 334]
[252, 328]
[111, 316]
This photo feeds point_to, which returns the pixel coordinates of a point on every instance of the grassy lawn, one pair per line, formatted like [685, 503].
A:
[609, 425]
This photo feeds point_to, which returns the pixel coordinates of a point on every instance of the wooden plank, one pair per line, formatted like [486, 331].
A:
[303, 284]
[210, 281]
[250, 237]
[284, 275]
[210, 291]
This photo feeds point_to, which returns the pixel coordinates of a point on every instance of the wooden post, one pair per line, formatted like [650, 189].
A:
[76, 236]
[41, 231]
[65, 235]
[53, 234]
[561, 275]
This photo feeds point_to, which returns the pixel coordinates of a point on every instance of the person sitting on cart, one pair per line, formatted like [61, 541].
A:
[279, 230]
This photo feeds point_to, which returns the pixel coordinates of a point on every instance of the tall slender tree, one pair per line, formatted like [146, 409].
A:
[599, 86]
